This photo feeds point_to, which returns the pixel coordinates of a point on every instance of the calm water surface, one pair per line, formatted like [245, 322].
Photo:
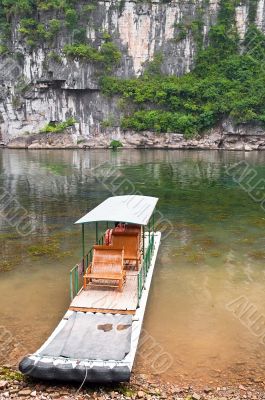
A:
[213, 255]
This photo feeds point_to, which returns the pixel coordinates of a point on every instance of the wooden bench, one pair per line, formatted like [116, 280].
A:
[107, 267]
[129, 241]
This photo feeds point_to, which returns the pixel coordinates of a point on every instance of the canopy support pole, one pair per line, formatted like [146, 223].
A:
[83, 247]
[149, 233]
[96, 232]
[143, 241]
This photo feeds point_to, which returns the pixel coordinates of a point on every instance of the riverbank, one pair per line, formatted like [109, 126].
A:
[227, 136]
[13, 385]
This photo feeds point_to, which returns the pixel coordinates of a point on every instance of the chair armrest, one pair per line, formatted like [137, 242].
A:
[88, 270]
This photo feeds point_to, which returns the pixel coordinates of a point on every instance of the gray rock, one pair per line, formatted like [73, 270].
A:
[24, 392]
[195, 396]
[3, 384]
[14, 390]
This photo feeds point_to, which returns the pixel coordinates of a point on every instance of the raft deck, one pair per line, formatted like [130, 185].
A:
[109, 300]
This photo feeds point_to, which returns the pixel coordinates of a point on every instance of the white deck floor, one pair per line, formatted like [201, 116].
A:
[109, 298]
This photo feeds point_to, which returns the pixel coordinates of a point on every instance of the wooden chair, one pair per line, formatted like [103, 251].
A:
[129, 241]
[106, 268]
[134, 228]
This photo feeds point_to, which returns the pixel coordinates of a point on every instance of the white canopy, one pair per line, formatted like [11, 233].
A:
[133, 209]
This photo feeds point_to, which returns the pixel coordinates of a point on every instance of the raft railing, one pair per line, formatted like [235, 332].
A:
[142, 274]
[78, 271]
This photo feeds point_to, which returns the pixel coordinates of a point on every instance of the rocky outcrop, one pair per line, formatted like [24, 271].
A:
[37, 89]
[226, 136]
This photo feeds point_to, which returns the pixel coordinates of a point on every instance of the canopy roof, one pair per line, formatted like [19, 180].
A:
[133, 209]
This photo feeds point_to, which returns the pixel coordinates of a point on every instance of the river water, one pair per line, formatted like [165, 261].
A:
[211, 261]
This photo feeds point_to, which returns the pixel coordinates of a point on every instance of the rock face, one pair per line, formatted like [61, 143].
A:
[227, 137]
[55, 89]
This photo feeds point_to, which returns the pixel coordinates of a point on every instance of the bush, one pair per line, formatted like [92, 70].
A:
[79, 35]
[108, 54]
[55, 57]
[115, 144]
[88, 8]
[54, 26]
[3, 50]
[34, 31]
[82, 51]
[58, 127]
[71, 18]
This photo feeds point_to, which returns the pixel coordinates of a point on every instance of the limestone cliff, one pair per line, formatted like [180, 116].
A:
[57, 88]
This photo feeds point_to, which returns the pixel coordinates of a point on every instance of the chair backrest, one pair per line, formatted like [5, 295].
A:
[127, 240]
[134, 228]
[107, 259]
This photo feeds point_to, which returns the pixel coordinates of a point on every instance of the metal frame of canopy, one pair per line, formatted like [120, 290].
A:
[132, 209]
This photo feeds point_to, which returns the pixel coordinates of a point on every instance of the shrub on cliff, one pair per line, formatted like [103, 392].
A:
[58, 127]
[108, 54]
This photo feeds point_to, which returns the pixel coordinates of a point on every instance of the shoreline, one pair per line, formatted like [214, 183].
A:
[224, 137]
[14, 385]
[189, 149]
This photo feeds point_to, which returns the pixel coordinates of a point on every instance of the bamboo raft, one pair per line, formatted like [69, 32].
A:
[96, 340]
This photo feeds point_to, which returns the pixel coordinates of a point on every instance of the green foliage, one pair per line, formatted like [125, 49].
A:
[45, 5]
[35, 32]
[7, 373]
[55, 57]
[17, 7]
[109, 122]
[88, 8]
[71, 17]
[58, 127]
[3, 50]
[5, 29]
[48, 248]
[79, 35]
[154, 67]
[192, 103]
[162, 121]
[82, 51]
[54, 26]
[115, 144]
[108, 54]
[121, 5]
[182, 32]
[224, 83]
[252, 10]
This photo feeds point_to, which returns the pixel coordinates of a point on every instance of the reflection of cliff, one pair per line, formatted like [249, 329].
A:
[52, 173]
[140, 31]
[56, 187]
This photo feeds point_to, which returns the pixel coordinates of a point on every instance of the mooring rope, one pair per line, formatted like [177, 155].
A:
[82, 384]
